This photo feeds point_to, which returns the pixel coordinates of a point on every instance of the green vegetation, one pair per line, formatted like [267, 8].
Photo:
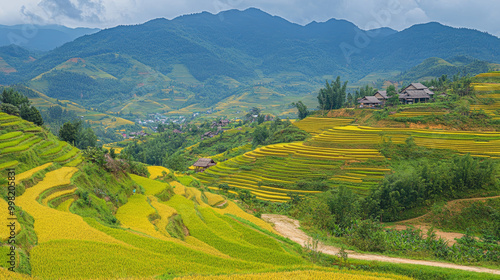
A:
[15, 103]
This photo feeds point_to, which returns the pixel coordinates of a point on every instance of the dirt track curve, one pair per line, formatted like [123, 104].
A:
[290, 228]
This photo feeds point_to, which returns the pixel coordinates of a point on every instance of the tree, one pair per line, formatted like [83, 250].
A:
[10, 109]
[393, 96]
[333, 95]
[302, 108]
[30, 114]
[253, 112]
[160, 128]
[13, 97]
[261, 119]
[15, 103]
[260, 135]
[176, 162]
[365, 91]
[86, 138]
[68, 132]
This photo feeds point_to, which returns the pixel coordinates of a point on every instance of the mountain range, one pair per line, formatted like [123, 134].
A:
[40, 37]
[243, 58]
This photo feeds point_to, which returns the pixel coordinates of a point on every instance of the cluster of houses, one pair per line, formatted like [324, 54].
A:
[414, 93]
[133, 135]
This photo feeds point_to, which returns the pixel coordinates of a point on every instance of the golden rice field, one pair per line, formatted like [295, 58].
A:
[301, 275]
[214, 199]
[46, 229]
[28, 174]
[52, 196]
[151, 187]
[473, 142]
[64, 206]
[134, 215]
[405, 114]
[164, 211]
[279, 166]
[316, 125]
[489, 75]
[157, 171]
[486, 86]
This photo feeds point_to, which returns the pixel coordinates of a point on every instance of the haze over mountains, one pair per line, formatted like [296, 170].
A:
[40, 37]
[209, 58]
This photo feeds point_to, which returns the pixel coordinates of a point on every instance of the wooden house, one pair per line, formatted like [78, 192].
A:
[415, 93]
[203, 163]
[369, 101]
[381, 95]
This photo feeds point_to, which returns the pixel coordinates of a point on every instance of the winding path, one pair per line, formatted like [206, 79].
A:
[290, 228]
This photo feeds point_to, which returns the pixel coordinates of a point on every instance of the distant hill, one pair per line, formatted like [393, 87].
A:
[40, 37]
[201, 61]
[435, 67]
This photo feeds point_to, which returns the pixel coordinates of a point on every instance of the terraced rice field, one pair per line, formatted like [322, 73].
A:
[275, 169]
[406, 114]
[317, 125]
[476, 143]
[341, 155]
[301, 275]
[157, 171]
[46, 229]
[134, 215]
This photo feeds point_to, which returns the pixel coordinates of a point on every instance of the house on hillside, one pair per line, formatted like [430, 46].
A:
[415, 93]
[381, 95]
[369, 102]
[203, 163]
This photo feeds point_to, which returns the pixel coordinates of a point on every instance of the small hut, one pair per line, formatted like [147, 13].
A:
[369, 101]
[203, 163]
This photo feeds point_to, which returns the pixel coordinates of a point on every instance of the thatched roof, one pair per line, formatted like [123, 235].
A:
[382, 93]
[418, 86]
[369, 100]
[204, 162]
[411, 94]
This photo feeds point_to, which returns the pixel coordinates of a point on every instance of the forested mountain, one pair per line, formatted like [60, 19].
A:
[203, 59]
[40, 37]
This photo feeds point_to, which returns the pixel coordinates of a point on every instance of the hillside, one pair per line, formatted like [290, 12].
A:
[435, 67]
[165, 228]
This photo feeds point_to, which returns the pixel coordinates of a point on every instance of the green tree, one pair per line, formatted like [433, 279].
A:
[302, 108]
[259, 135]
[176, 162]
[333, 95]
[31, 114]
[69, 132]
[13, 97]
[160, 128]
[393, 96]
[86, 138]
[365, 91]
[10, 109]
[344, 206]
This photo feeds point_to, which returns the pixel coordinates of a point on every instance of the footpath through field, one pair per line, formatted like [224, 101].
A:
[290, 228]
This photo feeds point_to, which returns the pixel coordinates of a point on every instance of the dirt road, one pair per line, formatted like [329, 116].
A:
[290, 228]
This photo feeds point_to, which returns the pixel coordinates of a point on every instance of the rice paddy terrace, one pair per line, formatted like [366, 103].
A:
[24, 145]
[186, 232]
[340, 152]
[185, 235]
[488, 87]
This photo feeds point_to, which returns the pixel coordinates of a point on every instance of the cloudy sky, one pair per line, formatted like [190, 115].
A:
[367, 14]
